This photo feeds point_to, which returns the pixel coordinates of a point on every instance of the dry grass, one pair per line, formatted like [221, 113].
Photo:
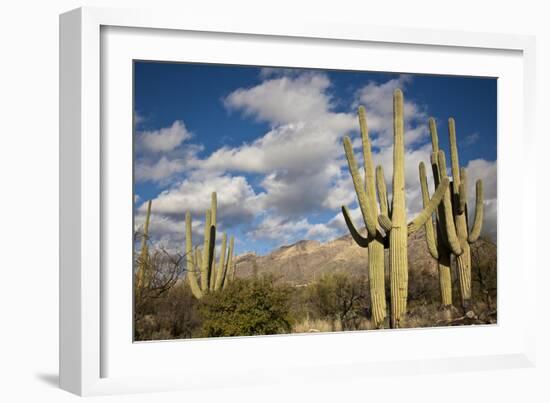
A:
[323, 325]
[315, 326]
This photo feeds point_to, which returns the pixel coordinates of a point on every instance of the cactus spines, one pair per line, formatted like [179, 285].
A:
[202, 262]
[374, 241]
[144, 253]
[452, 221]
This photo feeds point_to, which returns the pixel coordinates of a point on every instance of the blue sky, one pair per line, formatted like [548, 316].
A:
[269, 141]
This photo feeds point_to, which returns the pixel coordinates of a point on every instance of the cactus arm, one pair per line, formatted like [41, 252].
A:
[144, 253]
[213, 273]
[370, 221]
[146, 228]
[368, 164]
[382, 192]
[205, 267]
[191, 264]
[385, 223]
[357, 237]
[229, 271]
[428, 210]
[462, 192]
[448, 219]
[478, 220]
[198, 257]
[211, 229]
[214, 209]
[211, 256]
[430, 235]
[455, 163]
[433, 132]
[221, 267]
[435, 168]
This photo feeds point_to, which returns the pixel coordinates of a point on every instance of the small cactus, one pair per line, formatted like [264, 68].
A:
[203, 274]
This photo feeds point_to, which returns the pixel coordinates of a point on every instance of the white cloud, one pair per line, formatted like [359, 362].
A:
[165, 139]
[147, 170]
[298, 157]
[285, 99]
[487, 172]
[236, 198]
[321, 232]
[281, 230]
[378, 102]
[161, 154]
[237, 203]
[342, 192]
[276, 228]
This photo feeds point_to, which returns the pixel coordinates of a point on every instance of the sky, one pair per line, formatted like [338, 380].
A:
[269, 142]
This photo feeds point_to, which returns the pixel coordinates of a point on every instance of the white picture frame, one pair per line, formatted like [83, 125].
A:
[96, 355]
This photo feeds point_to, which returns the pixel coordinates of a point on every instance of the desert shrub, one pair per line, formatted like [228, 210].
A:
[172, 315]
[247, 307]
[484, 276]
[339, 297]
[160, 273]
[424, 286]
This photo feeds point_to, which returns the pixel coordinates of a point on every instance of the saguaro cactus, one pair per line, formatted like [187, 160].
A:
[144, 253]
[202, 272]
[366, 195]
[392, 223]
[437, 243]
[452, 217]
[396, 225]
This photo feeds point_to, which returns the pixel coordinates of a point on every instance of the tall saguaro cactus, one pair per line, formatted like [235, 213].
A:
[144, 253]
[382, 222]
[452, 217]
[202, 272]
[366, 195]
[396, 224]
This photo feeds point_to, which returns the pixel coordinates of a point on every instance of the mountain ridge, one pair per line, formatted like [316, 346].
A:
[306, 260]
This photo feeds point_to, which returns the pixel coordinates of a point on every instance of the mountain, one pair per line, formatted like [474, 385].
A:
[305, 261]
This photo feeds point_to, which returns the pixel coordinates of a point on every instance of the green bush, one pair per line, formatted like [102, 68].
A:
[247, 307]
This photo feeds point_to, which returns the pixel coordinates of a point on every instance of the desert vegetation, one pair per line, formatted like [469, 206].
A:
[203, 292]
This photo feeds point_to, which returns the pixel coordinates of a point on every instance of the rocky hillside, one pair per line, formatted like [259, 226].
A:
[305, 261]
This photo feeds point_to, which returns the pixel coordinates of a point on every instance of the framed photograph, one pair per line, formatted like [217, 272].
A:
[244, 203]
